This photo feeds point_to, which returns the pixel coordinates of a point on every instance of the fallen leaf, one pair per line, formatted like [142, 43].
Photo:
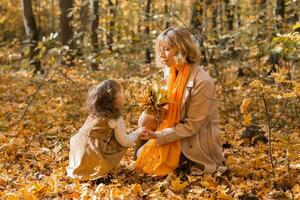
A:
[176, 185]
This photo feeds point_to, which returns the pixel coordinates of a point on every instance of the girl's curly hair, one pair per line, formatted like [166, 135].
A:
[101, 98]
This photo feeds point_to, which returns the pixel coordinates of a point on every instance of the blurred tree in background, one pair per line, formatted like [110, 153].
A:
[94, 29]
[250, 47]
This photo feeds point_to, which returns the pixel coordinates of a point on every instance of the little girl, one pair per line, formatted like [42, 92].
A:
[101, 142]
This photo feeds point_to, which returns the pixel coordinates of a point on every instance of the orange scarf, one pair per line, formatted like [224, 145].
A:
[163, 159]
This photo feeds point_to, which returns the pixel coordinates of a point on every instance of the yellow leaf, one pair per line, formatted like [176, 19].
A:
[296, 88]
[255, 84]
[296, 26]
[52, 182]
[295, 166]
[296, 189]
[116, 193]
[35, 188]
[230, 160]
[11, 147]
[73, 195]
[3, 180]
[223, 195]
[209, 183]
[136, 189]
[245, 105]
[27, 195]
[176, 185]
[3, 139]
[247, 119]
[276, 96]
[58, 147]
[239, 171]
[30, 90]
[12, 196]
[279, 78]
[3, 19]
[289, 94]
[267, 88]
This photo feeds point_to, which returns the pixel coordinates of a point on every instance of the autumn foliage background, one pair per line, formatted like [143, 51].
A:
[250, 47]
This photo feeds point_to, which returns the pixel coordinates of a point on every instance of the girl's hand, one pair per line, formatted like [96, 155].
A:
[147, 135]
[141, 131]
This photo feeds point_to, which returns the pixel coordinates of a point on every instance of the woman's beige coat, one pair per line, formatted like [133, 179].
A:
[199, 127]
[94, 150]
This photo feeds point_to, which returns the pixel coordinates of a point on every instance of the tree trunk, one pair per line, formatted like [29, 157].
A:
[35, 8]
[280, 8]
[215, 17]
[53, 29]
[220, 8]
[167, 14]
[110, 34]
[229, 9]
[279, 11]
[262, 19]
[31, 34]
[84, 14]
[263, 4]
[196, 22]
[147, 31]
[254, 4]
[94, 35]
[84, 20]
[65, 22]
[238, 10]
[67, 30]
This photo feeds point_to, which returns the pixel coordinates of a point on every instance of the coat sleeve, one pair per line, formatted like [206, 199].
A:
[120, 133]
[202, 97]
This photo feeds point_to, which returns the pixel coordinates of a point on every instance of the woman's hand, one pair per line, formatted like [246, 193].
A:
[147, 135]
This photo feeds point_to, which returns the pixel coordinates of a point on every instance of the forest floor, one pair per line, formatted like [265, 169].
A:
[34, 146]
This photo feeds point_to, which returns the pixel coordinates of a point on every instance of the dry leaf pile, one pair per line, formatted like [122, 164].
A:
[34, 150]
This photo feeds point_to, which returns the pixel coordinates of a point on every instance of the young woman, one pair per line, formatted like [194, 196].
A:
[191, 126]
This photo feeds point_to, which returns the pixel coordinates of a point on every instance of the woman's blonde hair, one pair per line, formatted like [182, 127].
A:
[182, 41]
[101, 99]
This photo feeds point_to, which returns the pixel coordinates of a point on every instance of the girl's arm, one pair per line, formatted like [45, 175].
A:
[123, 139]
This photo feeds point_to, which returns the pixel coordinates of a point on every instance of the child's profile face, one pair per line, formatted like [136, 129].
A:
[120, 100]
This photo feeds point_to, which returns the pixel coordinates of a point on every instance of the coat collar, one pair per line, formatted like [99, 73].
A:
[189, 84]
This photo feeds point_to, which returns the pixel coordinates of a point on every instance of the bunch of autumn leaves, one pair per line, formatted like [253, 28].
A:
[154, 98]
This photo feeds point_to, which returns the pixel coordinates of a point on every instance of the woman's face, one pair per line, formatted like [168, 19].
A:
[120, 100]
[167, 54]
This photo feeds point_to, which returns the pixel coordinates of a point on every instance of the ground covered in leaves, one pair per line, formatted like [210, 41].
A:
[34, 146]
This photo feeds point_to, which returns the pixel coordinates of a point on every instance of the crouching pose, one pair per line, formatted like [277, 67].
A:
[101, 142]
